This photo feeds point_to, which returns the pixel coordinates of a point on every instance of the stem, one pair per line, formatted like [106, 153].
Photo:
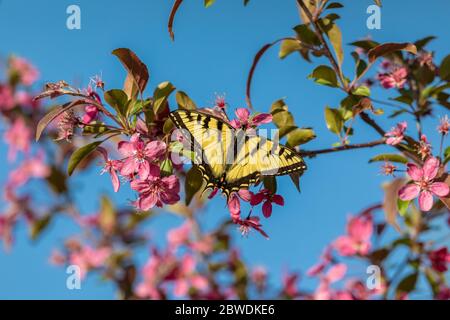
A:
[313, 153]
[327, 51]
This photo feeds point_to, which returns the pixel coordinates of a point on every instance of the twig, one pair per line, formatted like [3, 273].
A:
[313, 153]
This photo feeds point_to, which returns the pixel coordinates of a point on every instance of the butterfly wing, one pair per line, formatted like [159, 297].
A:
[260, 157]
[209, 137]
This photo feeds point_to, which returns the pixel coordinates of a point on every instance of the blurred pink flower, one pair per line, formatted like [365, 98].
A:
[423, 184]
[139, 157]
[394, 79]
[6, 97]
[439, 259]
[324, 261]
[89, 258]
[245, 122]
[18, 138]
[357, 240]
[30, 168]
[24, 99]
[180, 235]
[111, 166]
[186, 277]
[156, 191]
[334, 274]
[57, 258]
[289, 283]
[388, 169]
[444, 126]
[268, 198]
[395, 135]
[27, 72]
[259, 277]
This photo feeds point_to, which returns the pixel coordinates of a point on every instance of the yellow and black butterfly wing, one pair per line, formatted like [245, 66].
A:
[260, 157]
[209, 137]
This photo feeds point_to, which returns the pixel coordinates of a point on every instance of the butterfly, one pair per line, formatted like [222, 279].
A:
[232, 159]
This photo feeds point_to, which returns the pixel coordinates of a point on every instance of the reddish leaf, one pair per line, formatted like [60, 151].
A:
[387, 48]
[137, 70]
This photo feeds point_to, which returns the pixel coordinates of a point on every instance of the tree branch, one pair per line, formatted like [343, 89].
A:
[327, 50]
[313, 153]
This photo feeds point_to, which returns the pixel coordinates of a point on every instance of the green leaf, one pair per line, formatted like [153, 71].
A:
[306, 35]
[166, 168]
[270, 183]
[324, 75]
[397, 158]
[334, 5]
[333, 120]
[300, 136]
[335, 36]
[57, 180]
[80, 154]
[193, 183]
[184, 102]
[161, 95]
[138, 74]
[423, 42]
[402, 206]
[407, 284]
[209, 3]
[361, 66]
[117, 99]
[168, 126]
[444, 69]
[107, 217]
[365, 44]
[362, 91]
[446, 155]
[39, 225]
[94, 128]
[404, 99]
[387, 48]
[52, 114]
[289, 46]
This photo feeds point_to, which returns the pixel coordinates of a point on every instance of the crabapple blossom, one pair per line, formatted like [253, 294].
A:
[423, 184]
[393, 79]
[396, 134]
[357, 240]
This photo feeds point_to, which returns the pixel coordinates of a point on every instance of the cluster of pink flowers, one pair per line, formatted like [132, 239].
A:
[392, 76]
[140, 165]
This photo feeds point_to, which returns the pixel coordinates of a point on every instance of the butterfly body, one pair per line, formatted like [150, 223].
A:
[233, 159]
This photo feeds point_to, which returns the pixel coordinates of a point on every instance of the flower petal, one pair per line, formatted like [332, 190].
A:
[415, 172]
[440, 189]
[262, 118]
[115, 180]
[425, 200]
[430, 168]
[267, 209]
[242, 114]
[409, 192]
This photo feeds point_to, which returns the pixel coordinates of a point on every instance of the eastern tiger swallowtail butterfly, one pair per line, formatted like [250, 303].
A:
[231, 159]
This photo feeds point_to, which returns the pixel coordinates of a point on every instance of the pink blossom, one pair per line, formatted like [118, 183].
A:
[394, 79]
[444, 126]
[324, 261]
[388, 169]
[180, 235]
[186, 277]
[24, 99]
[91, 111]
[245, 121]
[27, 72]
[18, 138]
[334, 274]
[220, 102]
[139, 156]
[234, 204]
[424, 147]
[395, 136]
[439, 259]
[6, 97]
[268, 198]
[424, 185]
[156, 191]
[357, 239]
[444, 293]
[259, 277]
[66, 125]
[57, 258]
[89, 258]
[111, 167]
[251, 223]
[30, 168]
[204, 245]
[289, 282]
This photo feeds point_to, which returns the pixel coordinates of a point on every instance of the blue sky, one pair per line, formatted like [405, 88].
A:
[212, 53]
